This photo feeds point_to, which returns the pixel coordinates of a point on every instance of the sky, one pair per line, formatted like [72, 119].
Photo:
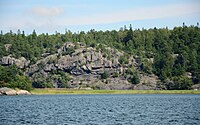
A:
[48, 16]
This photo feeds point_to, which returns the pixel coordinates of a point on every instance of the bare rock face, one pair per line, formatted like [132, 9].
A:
[85, 65]
[147, 82]
[20, 63]
[148, 79]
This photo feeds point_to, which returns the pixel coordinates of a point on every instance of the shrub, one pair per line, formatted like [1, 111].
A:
[69, 51]
[123, 59]
[21, 82]
[146, 66]
[179, 83]
[12, 77]
[104, 75]
[115, 74]
[42, 85]
[132, 75]
[134, 79]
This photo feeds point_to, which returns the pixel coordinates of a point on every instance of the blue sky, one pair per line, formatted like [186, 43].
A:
[83, 15]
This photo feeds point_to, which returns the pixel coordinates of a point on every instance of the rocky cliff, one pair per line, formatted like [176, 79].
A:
[75, 65]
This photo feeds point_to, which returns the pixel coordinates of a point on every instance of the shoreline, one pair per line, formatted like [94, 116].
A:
[79, 91]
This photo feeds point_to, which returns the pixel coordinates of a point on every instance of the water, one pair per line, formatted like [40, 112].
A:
[100, 110]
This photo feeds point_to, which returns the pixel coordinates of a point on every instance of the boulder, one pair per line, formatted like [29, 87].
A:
[7, 91]
[107, 63]
[115, 63]
[11, 92]
[23, 92]
[89, 66]
[7, 46]
[148, 79]
[65, 46]
[96, 64]
[196, 87]
[7, 60]
[77, 71]
[87, 55]
[49, 67]
[148, 82]
[20, 63]
[85, 69]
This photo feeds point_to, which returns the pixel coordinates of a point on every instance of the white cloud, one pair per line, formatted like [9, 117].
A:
[49, 19]
[44, 11]
[137, 14]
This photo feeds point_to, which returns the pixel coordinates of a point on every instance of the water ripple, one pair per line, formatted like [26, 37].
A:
[100, 110]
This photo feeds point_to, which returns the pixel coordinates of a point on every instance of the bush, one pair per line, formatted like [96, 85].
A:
[115, 74]
[12, 77]
[92, 45]
[146, 67]
[104, 75]
[21, 82]
[132, 75]
[123, 59]
[42, 85]
[179, 83]
[134, 79]
[69, 51]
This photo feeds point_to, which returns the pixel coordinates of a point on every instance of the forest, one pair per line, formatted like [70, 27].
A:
[175, 52]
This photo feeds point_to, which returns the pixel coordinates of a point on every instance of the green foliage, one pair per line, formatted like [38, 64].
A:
[63, 79]
[41, 65]
[13, 78]
[179, 83]
[21, 82]
[146, 66]
[53, 59]
[132, 76]
[105, 75]
[42, 85]
[115, 74]
[163, 64]
[179, 66]
[8, 74]
[69, 51]
[134, 79]
[56, 78]
[160, 44]
[123, 59]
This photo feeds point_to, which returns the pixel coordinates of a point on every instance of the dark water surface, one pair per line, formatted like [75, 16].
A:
[100, 110]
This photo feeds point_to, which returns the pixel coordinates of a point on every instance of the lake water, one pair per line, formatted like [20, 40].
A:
[100, 110]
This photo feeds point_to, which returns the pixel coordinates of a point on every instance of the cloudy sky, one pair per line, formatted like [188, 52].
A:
[83, 15]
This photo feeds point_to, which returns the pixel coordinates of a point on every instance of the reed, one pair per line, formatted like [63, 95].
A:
[78, 91]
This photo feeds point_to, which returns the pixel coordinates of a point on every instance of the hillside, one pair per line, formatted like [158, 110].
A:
[124, 59]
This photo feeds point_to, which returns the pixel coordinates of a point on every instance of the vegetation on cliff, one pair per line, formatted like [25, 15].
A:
[172, 55]
[12, 77]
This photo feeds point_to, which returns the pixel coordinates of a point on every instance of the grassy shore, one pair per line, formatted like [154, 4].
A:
[73, 91]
